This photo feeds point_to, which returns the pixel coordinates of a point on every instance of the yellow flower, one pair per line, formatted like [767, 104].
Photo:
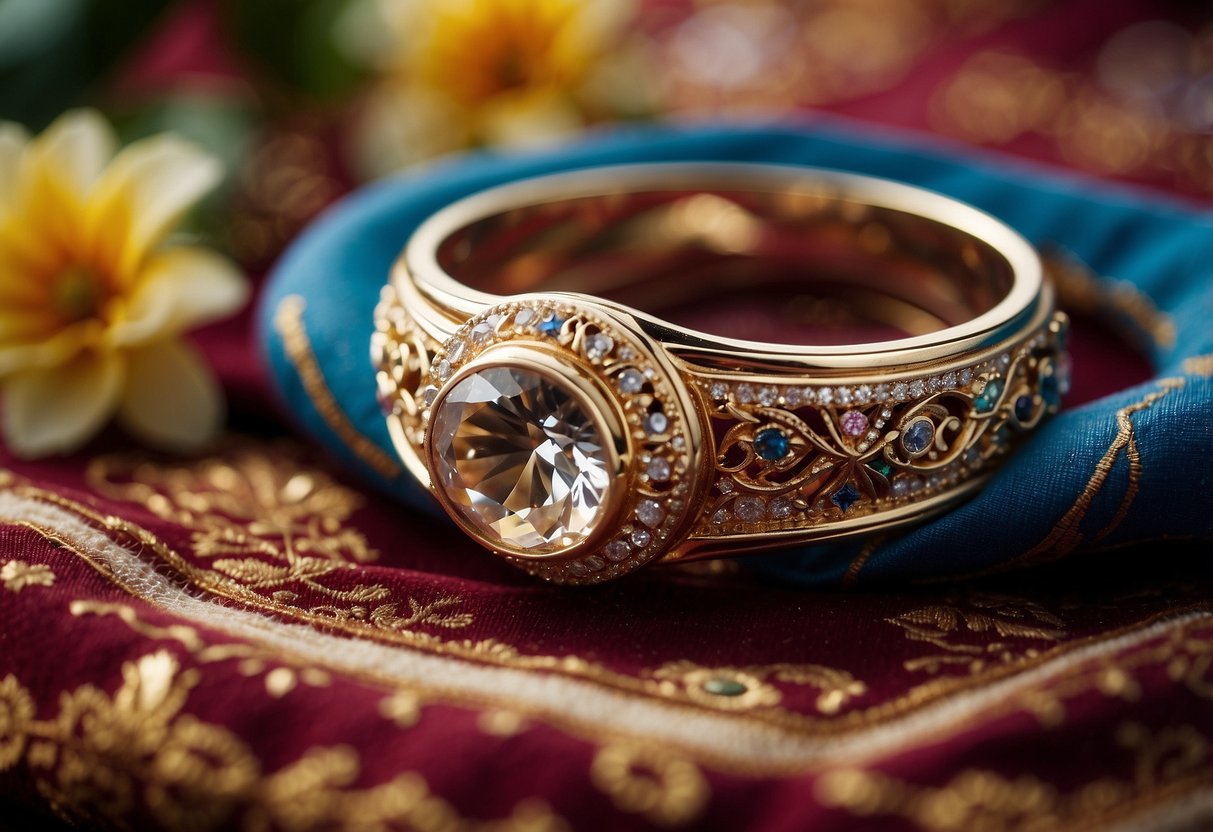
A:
[462, 73]
[93, 296]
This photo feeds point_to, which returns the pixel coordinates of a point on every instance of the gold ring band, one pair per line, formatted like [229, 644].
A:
[529, 382]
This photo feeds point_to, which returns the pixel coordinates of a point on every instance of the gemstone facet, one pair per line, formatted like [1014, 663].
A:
[520, 459]
[771, 444]
[845, 497]
[917, 437]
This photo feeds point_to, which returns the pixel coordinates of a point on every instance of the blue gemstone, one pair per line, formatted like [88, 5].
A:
[918, 436]
[1050, 390]
[989, 397]
[551, 325]
[771, 444]
[1023, 408]
[845, 497]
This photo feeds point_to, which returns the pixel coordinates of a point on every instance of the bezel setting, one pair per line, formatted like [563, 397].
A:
[621, 380]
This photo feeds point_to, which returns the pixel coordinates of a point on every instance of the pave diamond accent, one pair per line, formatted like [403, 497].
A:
[520, 459]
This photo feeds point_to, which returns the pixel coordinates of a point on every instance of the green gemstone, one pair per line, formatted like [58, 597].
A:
[989, 397]
[881, 467]
[724, 687]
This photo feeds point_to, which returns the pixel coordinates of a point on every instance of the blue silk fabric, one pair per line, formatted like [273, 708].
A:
[1131, 467]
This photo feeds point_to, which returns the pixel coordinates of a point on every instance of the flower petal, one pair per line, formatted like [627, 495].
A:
[171, 399]
[13, 141]
[56, 173]
[180, 288]
[142, 195]
[26, 351]
[59, 409]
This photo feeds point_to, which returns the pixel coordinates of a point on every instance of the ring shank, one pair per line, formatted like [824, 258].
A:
[943, 276]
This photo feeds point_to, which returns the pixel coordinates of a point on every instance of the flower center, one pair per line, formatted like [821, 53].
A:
[77, 293]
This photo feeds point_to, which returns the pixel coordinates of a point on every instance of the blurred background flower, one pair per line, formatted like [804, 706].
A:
[92, 298]
[503, 73]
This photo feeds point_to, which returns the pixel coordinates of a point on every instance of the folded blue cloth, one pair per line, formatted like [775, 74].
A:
[1131, 467]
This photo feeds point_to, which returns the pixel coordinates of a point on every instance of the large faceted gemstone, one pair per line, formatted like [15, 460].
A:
[520, 459]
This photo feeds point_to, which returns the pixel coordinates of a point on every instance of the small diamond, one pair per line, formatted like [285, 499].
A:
[749, 508]
[845, 497]
[641, 538]
[594, 563]
[578, 569]
[718, 391]
[442, 370]
[791, 396]
[720, 516]
[482, 330]
[626, 353]
[771, 444]
[825, 395]
[678, 443]
[656, 423]
[1004, 361]
[863, 394]
[745, 393]
[429, 394]
[901, 486]
[725, 486]
[844, 396]
[781, 508]
[649, 512]
[659, 469]
[917, 389]
[900, 391]
[630, 381]
[966, 377]
[617, 550]
[935, 384]
[854, 423]
[524, 317]
[808, 395]
[882, 393]
[767, 396]
[454, 351]
[597, 346]
[949, 380]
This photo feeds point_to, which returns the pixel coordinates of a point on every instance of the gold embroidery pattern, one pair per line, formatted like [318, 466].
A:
[270, 526]
[979, 616]
[1168, 761]
[16, 575]
[642, 779]
[1066, 535]
[497, 653]
[288, 320]
[744, 688]
[104, 756]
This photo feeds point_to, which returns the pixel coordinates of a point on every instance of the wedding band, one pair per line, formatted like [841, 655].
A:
[532, 379]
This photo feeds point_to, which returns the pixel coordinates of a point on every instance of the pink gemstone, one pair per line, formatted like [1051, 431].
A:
[854, 423]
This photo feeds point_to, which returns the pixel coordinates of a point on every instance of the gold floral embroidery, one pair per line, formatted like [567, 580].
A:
[298, 348]
[643, 779]
[252, 660]
[103, 756]
[16, 575]
[979, 616]
[269, 525]
[1176, 758]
